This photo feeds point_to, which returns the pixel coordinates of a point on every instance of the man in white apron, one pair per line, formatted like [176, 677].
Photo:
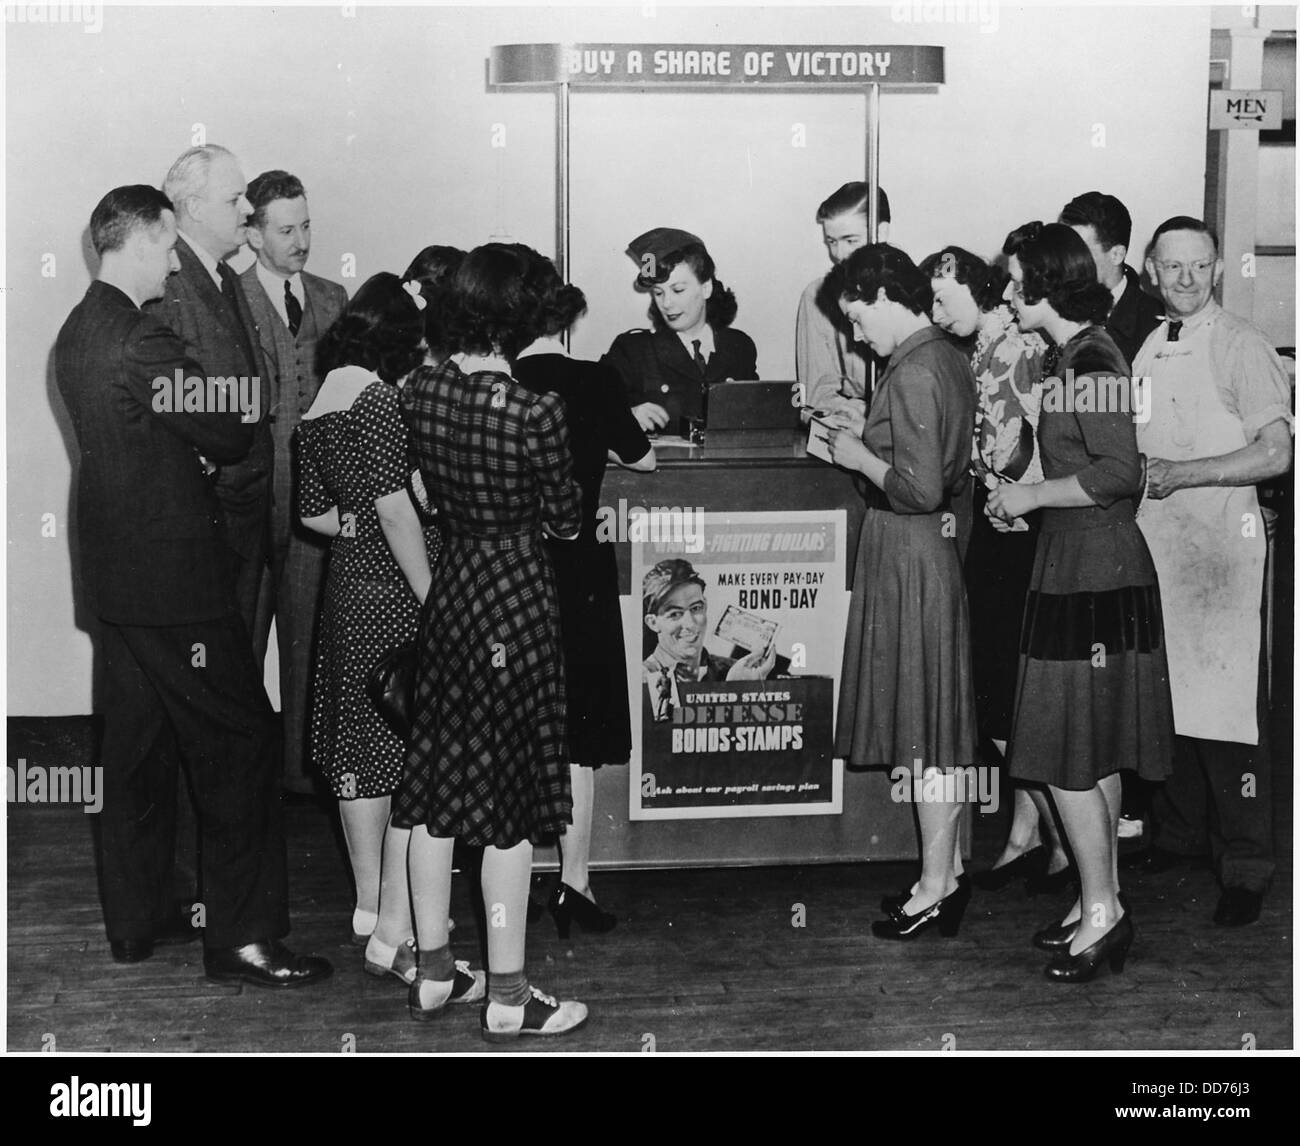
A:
[1214, 418]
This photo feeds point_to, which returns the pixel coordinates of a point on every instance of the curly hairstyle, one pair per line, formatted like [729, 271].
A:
[720, 310]
[986, 281]
[494, 308]
[878, 265]
[433, 269]
[562, 304]
[1059, 268]
[381, 329]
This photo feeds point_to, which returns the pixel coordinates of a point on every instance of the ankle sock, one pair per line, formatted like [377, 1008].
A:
[364, 922]
[438, 963]
[510, 989]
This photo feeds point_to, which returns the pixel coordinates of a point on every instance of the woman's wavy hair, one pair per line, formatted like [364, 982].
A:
[432, 269]
[986, 281]
[502, 299]
[1059, 268]
[562, 304]
[719, 310]
[380, 329]
[862, 275]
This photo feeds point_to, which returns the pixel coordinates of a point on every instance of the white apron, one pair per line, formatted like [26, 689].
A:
[1208, 545]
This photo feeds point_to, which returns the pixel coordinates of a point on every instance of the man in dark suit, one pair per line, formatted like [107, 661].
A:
[292, 309]
[1103, 222]
[177, 663]
[205, 305]
[668, 372]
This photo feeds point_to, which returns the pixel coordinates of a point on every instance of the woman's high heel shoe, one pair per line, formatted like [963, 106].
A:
[1111, 948]
[1056, 936]
[946, 914]
[1029, 865]
[889, 904]
[568, 907]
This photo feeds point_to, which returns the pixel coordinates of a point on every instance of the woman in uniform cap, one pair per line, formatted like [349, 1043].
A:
[668, 371]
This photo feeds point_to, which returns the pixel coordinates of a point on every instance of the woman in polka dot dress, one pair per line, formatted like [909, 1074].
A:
[353, 487]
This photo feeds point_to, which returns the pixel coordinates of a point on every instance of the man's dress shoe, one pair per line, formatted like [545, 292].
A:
[265, 964]
[130, 950]
[178, 928]
[1238, 906]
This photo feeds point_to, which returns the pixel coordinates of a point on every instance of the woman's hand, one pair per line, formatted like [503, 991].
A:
[851, 414]
[755, 666]
[1011, 500]
[846, 449]
[650, 416]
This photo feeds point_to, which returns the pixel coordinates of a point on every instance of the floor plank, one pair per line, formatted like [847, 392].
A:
[702, 961]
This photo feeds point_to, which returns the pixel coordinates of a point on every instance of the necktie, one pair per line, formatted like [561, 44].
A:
[228, 292]
[700, 364]
[1174, 329]
[293, 309]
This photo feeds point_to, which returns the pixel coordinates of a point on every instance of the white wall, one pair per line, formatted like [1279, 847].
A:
[386, 119]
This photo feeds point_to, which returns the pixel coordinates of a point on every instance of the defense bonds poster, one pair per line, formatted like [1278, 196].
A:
[735, 640]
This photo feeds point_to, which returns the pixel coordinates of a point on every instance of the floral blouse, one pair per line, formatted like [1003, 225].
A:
[1008, 366]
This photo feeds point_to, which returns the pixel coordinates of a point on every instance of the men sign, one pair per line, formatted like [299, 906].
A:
[1241, 110]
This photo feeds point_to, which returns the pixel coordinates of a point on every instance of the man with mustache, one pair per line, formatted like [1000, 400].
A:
[292, 309]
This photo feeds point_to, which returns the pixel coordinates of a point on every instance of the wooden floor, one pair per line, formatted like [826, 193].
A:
[701, 960]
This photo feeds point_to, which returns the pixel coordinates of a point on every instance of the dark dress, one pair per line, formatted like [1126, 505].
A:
[586, 575]
[656, 367]
[348, 458]
[906, 696]
[488, 757]
[1093, 692]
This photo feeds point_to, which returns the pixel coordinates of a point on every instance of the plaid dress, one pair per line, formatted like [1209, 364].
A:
[487, 759]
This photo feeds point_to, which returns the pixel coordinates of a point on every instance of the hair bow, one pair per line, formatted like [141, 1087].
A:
[413, 289]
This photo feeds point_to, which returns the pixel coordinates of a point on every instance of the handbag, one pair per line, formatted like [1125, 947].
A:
[391, 687]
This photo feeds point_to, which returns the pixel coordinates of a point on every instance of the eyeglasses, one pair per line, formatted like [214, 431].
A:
[1200, 268]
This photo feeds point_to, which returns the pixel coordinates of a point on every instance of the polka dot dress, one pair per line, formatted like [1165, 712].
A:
[348, 458]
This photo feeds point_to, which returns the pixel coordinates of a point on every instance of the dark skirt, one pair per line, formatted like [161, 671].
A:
[998, 569]
[487, 761]
[906, 694]
[591, 624]
[1093, 691]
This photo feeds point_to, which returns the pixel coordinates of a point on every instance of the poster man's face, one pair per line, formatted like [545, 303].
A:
[680, 622]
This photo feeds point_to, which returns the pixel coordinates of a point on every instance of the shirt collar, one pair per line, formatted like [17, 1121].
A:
[1117, 291]
[209, 263]
[1202, 317]
[543, 346]
[704, 338]
[274, 284]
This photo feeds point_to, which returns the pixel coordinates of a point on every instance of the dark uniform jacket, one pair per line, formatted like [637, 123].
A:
[656, 367]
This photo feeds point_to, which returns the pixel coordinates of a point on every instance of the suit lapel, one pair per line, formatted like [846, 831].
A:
[672, 357]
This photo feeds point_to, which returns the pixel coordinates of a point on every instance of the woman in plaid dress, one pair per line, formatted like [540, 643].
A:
[487, 761]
